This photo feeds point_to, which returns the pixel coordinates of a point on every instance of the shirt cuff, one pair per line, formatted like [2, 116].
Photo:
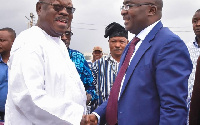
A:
[98, 117]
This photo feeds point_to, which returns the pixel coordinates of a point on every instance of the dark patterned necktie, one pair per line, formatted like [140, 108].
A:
[111, 109]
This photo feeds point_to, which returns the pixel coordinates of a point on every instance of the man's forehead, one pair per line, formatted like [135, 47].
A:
[61, 1]
[4, 31]
[132, 1]
[64, 1]
[118, 37]
[127, 1]
[136, 1]
[196, 15]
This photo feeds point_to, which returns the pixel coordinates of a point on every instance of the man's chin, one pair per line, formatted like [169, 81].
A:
[197, 34]
[97, 58]
[60, 32]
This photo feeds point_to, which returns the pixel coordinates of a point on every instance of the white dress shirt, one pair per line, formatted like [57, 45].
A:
[44, 87]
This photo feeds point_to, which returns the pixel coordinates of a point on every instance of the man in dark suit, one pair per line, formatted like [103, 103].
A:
[153, 90]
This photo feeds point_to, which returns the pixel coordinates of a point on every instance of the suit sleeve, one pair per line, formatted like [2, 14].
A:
[173, 67]
[101, 111]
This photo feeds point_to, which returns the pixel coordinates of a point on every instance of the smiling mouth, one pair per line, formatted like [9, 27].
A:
[118, 50]
[197, 30]
[62, 21]
[125, 21]
[125, 18]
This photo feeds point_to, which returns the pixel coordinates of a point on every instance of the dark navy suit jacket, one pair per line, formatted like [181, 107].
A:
[155, 88]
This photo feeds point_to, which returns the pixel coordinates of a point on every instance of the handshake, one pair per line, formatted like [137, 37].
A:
[90, 119]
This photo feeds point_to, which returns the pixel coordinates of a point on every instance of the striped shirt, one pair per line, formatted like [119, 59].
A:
[105, 71]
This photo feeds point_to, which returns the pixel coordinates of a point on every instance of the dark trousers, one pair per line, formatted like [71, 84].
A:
[2, 116]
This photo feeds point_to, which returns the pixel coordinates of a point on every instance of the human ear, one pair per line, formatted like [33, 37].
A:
[153, 9]
[38, 8]
[127, 41]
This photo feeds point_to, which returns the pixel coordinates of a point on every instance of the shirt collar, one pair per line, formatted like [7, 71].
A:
[196, 44]
[146, 31]
[110, 58]
[1, 60]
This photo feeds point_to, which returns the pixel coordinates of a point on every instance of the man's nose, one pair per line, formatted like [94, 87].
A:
[117, 44]
[198, 22]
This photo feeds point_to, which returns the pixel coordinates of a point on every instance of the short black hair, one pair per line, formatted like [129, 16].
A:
[10, 30]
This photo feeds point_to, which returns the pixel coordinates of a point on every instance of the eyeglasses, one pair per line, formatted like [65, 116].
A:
[58, 7]
[68, 33]
[128, 6]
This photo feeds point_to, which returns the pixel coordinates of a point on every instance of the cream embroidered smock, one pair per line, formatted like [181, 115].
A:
[44, 87]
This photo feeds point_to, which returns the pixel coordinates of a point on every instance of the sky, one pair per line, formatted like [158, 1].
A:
[92, 16]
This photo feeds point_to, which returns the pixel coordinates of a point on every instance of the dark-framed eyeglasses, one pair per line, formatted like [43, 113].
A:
[68, 33]
[58, 7]
[128, 6]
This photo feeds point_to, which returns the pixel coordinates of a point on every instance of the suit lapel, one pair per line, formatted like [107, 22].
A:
[145, 45]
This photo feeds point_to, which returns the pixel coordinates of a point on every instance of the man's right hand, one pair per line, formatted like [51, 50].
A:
[90, 119]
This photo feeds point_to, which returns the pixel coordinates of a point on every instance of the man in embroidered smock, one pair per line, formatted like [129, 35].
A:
[7, 37]
[44, 86]
[105, 69]
[194, 50]
[82, 67]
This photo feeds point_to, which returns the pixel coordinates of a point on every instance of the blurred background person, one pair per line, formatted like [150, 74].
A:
[194, 50]
[7, 37]
[82, 68]
[97, 53]
[105, 69]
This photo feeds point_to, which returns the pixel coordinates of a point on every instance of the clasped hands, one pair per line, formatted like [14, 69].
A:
[90, 119]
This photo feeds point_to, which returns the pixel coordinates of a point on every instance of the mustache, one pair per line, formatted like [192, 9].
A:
[117, 49]
[125, 18]
[61, 18]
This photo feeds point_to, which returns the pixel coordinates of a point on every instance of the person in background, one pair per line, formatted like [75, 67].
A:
[97, 53]
[105, 69]
[44, 87]
[194, 114]
[194, 50]
[151, 87]
[7, 37]
[82, 68]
